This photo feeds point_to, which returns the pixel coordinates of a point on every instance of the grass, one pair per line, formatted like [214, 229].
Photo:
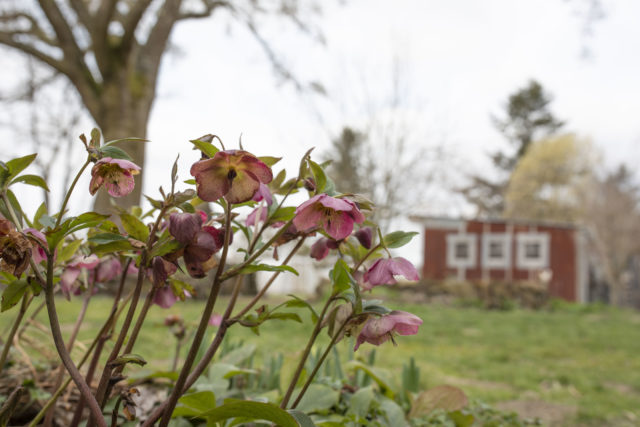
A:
[586, 357]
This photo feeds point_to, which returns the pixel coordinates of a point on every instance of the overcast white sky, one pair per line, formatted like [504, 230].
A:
[459, 60]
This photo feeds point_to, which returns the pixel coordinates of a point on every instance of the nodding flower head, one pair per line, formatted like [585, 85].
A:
[383, 272]
[335, 216]
[380, 329]
[235, 175]
[115, 174]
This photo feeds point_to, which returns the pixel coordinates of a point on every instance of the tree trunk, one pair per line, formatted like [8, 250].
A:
[126, 105]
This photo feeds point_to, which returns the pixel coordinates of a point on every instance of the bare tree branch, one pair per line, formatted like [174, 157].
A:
[131, 22]
[209, 7]
[82, 12]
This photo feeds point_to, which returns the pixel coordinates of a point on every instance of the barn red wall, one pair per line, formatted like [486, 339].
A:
[562, 256]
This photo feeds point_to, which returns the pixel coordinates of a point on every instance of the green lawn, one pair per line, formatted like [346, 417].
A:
[584, 357]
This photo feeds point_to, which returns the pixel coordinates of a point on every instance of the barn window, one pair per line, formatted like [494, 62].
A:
[496, 250]
[532, 250]
[461, 250]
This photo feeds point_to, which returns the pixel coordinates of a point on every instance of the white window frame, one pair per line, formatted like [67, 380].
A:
[502, 238]
[452, 240]
[523, 239]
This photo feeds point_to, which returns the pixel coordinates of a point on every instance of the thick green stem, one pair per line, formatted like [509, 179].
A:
[305, 355]
[202, 327]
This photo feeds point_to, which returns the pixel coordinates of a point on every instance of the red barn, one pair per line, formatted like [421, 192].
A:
[507, 250]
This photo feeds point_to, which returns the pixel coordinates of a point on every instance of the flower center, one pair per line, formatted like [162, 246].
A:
[231, 174]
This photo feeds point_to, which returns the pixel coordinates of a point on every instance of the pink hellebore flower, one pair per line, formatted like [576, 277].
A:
[161, 269]
[335, 216]
[263, 193]
[37, 253]
[253, 216]
[72, 271]
[200, 242]
[215, 320]
[380, 329]
[234, 174]
[364, 236]
[115, 174]
[108, 270]
[382, 272]
[320, 249]
[164, 297]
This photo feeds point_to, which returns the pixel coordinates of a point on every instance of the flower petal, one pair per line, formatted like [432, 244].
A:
[243, 187]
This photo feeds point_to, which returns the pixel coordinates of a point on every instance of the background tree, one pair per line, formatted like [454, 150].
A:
[548, 180]
[111, 51]
[527, 117]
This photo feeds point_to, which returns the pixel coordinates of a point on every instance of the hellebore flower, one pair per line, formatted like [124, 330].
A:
[382, 272]
[108, 270]
[234, 174]
[364, 236]
[72, 271]
[320, 249]
[335, 216]
[253, 216]
[200, 242]
[15, 249]
[161, 269]
[37, 251]
[164, 297]
[263, 193]
[115, 174]
[380, 329]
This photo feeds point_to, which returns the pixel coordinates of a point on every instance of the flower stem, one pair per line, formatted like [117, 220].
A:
[202, 327]
[12, 333]
[69, 191]
[84, 389]
[305, 355]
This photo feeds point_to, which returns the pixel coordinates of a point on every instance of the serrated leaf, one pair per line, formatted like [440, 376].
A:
[164, 248]
[116, 246]
[398, 238]
[102, 238]
[15, 166]
[13, 293]
[252, 411]
[318, 175]
[299, 302]
[115, 152]
[206, 147]
[269, 160]
[34, 180]
[265, 267]
[68, 251]
[134, 227]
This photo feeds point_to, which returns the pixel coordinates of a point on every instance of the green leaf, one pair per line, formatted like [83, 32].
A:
[250, 410]
[319, 176]
[444, 397]
[14, 204]
[115, 152]
[361, 401]
[285, 316]
[47, 221]
[115, 246]
[13, 293]
[42, 210]
[16, 166]
[265, 267]
[392, 412]
[95, 138]
[461, 420]
[68, 251]
[318, 398]
[187, 207]
[239, 355]
[109, 227]
[340, 277]
[269, 160]
[134, 227]
[200, 401]
[86, 220]
[302, 418]
[380, 376]
[102, 238]
[299, 302]
[206, 147]
[190, 181]
[166, 247]
[398, 238]
[283, 214]
[278, 180]
[155, 203]
[128, 358]
[34, 180]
